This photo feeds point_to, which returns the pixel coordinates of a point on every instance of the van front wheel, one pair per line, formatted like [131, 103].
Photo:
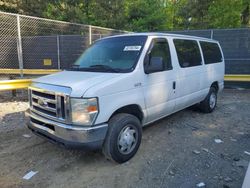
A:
[123, 138]
[209, 103]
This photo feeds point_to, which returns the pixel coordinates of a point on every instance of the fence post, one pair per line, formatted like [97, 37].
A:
[90, 35]
[58, 52]
[19, 46]
[212, 34]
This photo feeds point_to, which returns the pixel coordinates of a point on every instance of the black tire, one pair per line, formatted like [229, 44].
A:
[119, 125]
[206, 105]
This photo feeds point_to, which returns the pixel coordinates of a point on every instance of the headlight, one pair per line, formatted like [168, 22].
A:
[84, 111]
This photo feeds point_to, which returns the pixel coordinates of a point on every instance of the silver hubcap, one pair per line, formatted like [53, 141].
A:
[127, 139]
[212, 100]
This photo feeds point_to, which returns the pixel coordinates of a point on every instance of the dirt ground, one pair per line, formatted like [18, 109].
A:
[177, 151]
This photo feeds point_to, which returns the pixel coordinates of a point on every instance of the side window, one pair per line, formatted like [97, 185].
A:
[211, 52]
[188, 52]
[161, 49]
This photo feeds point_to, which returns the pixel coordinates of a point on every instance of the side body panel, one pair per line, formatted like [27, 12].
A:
[188, 83]
[214, 73]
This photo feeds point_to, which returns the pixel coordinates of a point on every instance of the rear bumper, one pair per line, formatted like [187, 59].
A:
[67, 135]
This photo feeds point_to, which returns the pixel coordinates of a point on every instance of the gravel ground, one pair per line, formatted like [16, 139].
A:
[177, 151]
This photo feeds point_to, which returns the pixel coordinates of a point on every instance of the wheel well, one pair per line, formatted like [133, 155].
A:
[215, 85]
[132, 109]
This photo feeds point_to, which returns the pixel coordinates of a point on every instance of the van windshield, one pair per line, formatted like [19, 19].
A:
[117, 54]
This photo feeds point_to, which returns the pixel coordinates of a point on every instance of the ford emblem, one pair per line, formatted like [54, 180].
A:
[42, 103]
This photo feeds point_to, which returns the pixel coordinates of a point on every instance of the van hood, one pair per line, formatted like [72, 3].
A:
[79, 82]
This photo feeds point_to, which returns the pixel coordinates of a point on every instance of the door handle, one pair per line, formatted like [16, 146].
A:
[174, 85]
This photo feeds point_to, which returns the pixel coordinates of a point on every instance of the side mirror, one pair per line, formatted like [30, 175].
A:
[155, 65]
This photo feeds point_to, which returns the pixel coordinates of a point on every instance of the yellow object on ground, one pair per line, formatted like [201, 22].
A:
[29, 71]
[237, 77]
[14, 84]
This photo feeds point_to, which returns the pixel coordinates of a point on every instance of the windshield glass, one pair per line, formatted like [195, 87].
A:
[118, 54]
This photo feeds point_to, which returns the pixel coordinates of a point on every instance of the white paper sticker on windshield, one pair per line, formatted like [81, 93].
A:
[132, 48]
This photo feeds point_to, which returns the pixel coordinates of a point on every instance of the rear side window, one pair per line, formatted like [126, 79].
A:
[211, 52]
[188, 52]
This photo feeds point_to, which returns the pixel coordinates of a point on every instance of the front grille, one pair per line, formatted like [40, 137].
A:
[48, 104]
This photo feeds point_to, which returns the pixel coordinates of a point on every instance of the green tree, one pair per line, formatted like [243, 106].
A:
[225, 14]
[245, 15]
[68, 10]
[172, 10]
[177, 13]
[145, 15]
[109, 13]
[194, 14]
[102, 13]
[27, 7]
[139, 15]
[9, 6]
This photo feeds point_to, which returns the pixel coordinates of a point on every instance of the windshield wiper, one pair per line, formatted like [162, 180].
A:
[73, 67]
[98, 68]
[104, 67]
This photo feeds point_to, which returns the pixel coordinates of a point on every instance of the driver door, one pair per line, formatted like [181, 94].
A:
[159, 87]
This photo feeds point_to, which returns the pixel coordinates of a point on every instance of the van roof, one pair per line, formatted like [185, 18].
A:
[164, 34]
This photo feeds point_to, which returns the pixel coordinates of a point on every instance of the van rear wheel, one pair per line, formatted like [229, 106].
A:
[123, 138]
[209, 103]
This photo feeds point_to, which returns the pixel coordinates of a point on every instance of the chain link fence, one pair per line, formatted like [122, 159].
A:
[8, 41]
[28, 43]
[235, 44]
[35, 43]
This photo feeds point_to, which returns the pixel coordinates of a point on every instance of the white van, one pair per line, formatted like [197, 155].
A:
[122, 83]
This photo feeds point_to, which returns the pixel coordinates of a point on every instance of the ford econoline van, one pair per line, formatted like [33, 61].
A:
[122, 83]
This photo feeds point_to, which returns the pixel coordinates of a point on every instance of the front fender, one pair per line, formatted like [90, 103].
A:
[110, 103]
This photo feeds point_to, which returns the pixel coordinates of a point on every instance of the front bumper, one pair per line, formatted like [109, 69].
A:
[67, 135]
